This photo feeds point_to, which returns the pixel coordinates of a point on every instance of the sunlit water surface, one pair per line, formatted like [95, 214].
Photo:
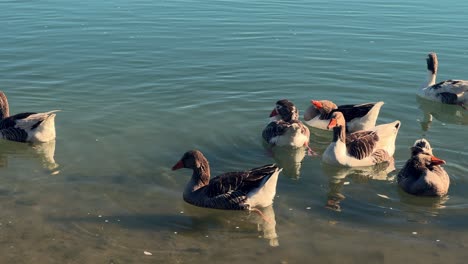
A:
[140, 82]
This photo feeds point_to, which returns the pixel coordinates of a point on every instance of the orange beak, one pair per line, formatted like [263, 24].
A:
[274, 113]
[436, 161]
[178, 165]
[317, 104]
[332, 123]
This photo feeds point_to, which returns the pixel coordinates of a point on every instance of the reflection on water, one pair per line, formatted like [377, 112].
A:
[320, 139]
[266, 224]
[338, 177]
[204, 219]
[426, 202]
[44, 152]
[290, 159]
[151, 79]
[450, 114]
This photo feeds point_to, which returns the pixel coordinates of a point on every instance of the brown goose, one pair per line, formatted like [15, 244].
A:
[26, 127]
[285, 129]
[422, 173]
[361, 148]
[357, 116]
[242, 190]
[447, 92]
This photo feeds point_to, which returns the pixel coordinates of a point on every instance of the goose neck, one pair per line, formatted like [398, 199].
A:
[4, 107]
[431, 78]
[339, 133]
[200, 177]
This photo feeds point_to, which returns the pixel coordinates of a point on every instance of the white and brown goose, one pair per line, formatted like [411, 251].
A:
[242, 190]
[448, 92]
[26, 127]
[422, 173]
[357, 116]
[285, 129]
[361, 148]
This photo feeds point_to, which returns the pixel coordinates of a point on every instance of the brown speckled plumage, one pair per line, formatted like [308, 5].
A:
[421, 175]
[448, 91]
[19, 127]
[360, 144]
[226, 191]
[288, 122]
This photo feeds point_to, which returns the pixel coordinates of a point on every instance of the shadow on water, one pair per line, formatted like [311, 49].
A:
[44, 152]
[339, 177]
[193, 222]
[450, 114]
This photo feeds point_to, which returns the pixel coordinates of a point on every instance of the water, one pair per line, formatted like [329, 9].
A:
[140, 82]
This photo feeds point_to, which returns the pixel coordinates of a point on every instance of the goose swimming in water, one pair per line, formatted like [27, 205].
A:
[26, 127]
[422, 173]
[357, 116]
[285, 129]
[242, 190]
[447, 92]
[361, 148]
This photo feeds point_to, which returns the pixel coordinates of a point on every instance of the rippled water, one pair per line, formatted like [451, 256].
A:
[140, 82]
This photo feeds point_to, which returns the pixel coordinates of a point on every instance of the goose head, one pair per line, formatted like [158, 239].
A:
[432, 62]
[286, 110]
[324, 106]
[423, 161]
[192, 159]
[318, 108]
[421, 146]
[338, 123]
[337, 120]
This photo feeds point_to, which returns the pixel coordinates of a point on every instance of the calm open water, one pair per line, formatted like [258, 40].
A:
[140, 82]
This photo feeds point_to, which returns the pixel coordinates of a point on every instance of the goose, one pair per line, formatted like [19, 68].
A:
[361, 148]
[422, 174]
[241, 190]
[285, 129]
[447, 92]
[357, 116]
[26, 127]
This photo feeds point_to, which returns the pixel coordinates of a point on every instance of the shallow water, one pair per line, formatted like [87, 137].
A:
[141, 82]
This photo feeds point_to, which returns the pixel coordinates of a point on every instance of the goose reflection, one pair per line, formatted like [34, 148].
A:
[446, 113]
[266, 224]
[203, 220]
[43, 151]
[426, 203]
[338, 177]
[289, 159]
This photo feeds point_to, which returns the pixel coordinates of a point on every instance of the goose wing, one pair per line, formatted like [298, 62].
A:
[11, 121]
[33, 120]
[361, 144]
[450, 90]
[275, 129]
[355, 111]
[14, 134]
[26, 121]
[451, 86]
[243, 181]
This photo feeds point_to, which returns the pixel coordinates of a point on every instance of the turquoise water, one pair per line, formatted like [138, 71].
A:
[140, 82]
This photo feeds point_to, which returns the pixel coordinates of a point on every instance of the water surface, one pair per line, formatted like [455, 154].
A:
[140, 82]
